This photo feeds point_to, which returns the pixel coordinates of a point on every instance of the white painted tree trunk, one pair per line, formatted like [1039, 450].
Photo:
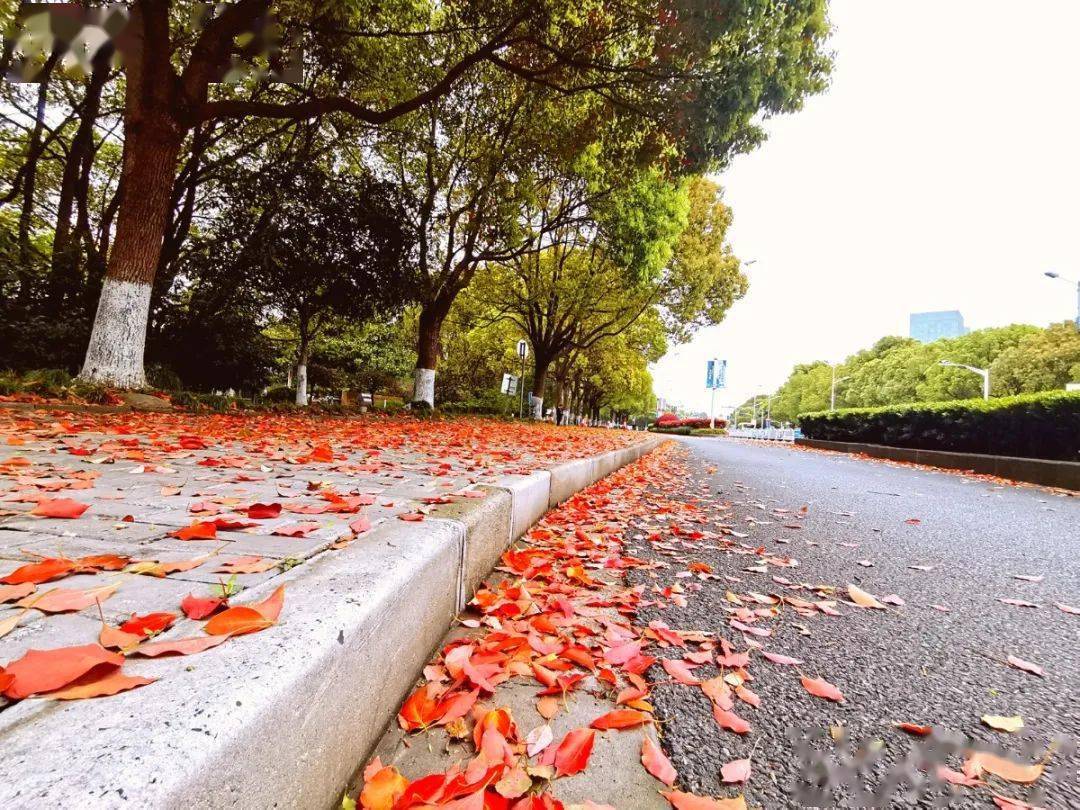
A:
[118, 340]
[424, 385]
[301, 383]
[537, 404]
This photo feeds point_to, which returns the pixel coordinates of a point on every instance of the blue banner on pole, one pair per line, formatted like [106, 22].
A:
[709, 373]
[716, 374]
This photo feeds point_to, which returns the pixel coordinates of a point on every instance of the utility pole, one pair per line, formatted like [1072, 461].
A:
[832, 390]
[523, 351]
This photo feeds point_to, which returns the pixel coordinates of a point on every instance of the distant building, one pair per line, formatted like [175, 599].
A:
[927, 327]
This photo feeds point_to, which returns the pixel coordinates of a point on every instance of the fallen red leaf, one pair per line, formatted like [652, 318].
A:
[572, 755]
[263, 511]
[199, 607]
[656, 763]
[148, 624]
[179, 646]
[93, 685]
[46, 670]
[206, 530]
[819, 687]
[39, 572]
[59, 508]
[620, 718]
[736, 771]
[688, 801]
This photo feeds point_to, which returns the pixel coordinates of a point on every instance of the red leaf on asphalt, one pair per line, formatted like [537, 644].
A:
[1067, 609]
[957, 778]
[419, 710]
[383, 788]
[148, 624]
[1005, 803]
[46, 670]
[680, 671]
[572, 755]
[620, 718]
[688, 801]
[781, 659]
[1027, 666]
[738, 770]
[197, 531]
[361, 524]
[1018, 603]
[322, 452]
[179, 646]
[94, 684]
[819, 687]
[915, 729]
[730, 721]
[263, 511]
[656, 763]
[39, 572]
[199, 607]
[59, 508]
[718, 692]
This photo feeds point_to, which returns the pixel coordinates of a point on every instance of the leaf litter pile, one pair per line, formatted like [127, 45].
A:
[559, 617]
[64, 473]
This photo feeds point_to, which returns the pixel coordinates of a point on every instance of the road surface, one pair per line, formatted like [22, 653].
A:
[950, 547]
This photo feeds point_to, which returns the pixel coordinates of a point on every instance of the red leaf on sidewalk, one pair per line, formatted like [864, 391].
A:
[263, 511]
[572, 755]
[59, 508]
[688, 801]
[197, 531]
[39, 572]
[620, 718]
[46, 670]
[656, 763]
[199, 607]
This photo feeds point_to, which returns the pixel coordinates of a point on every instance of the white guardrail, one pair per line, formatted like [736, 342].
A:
[769, 434]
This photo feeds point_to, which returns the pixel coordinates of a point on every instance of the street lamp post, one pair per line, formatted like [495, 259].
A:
[1052, 274]
[982, 372]
[832, 389]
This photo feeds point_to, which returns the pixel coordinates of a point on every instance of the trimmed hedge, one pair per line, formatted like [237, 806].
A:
[1043, 425]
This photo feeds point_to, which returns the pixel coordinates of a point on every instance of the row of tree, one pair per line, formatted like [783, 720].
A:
[1021, 359]
[198, 185]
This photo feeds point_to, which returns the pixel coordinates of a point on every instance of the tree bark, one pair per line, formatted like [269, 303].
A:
[428, 348]
[541, 364]
[115, 353]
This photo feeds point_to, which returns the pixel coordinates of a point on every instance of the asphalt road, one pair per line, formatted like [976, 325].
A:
[914, 663]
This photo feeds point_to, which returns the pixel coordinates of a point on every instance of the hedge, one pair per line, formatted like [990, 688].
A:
[1043, 425]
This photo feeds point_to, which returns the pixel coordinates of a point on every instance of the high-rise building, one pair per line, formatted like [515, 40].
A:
[927, 327]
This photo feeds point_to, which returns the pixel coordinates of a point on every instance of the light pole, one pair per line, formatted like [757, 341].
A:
[982, 372]
[523, 352]
[832, 389]
[1052, 274]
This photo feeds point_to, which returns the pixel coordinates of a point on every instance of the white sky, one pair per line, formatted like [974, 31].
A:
[941, 170]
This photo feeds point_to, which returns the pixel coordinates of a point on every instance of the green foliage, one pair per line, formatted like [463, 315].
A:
[1040, 361]
[1045, 425]
[895, 370]
[280, 394]
[708, 432]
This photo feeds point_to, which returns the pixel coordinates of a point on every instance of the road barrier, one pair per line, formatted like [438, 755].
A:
[768, 434]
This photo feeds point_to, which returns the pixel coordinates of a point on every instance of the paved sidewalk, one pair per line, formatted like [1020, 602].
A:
[163, 513]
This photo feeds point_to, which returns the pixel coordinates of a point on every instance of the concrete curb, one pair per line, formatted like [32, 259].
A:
[1047, 472]
[286, 717]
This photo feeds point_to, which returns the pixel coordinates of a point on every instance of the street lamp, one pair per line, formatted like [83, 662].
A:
[982, 372]
[832, 390]
[523, 352]
[1052, 274]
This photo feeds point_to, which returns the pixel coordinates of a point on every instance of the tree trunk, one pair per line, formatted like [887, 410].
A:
[115, 353]
[541, 364]
[427, 351]
[64, 278]
[301, 382]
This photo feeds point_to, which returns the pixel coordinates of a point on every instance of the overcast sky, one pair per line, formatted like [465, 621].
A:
[941, 170]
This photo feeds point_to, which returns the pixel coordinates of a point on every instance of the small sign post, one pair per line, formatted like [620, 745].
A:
[715, 377]
[523, 352]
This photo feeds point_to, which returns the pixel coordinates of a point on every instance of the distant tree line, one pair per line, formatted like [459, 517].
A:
[1022, 359]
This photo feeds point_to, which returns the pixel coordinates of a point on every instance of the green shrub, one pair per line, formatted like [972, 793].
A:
[280, 393]
[674, 431]
[1045, 425]
[708, 432]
